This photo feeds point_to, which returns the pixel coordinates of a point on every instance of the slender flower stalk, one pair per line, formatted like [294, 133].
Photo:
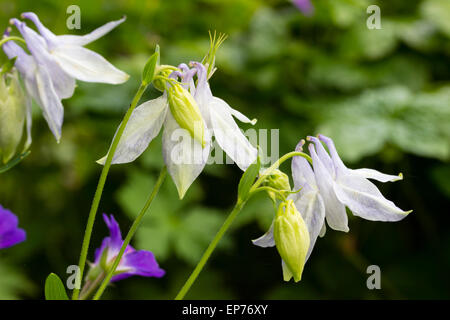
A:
[226, 225]
[6, 39]
[100, 186]
[131, 233]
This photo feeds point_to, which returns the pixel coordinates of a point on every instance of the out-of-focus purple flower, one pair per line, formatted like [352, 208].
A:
[133, 263]
[304, 6]
[10, 233]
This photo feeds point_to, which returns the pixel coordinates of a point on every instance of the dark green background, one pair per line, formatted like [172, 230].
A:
[382, 95]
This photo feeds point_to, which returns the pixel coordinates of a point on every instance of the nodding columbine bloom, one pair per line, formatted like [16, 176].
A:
[184, 154]
[308, 202]
[304, 6]
[133, 262]
[341, 187]
[328, 187]
[55, 62]
[10, 233]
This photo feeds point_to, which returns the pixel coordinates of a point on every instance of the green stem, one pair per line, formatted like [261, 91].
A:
[131, 233]
[277, 163]
[238, 207]
[14, 161]
[100, 186]
[4, 40]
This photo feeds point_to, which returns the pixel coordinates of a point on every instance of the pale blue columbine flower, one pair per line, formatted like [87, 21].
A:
[329, 188]
[184, 156]
[341, 187]
[55, 62]
[133, 262]
[307, 200]
[219, 119]
[10, 233]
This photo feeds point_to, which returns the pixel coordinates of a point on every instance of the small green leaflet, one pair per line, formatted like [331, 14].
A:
[150, 67]
[8, 65]
[248, 178]
[54, 288]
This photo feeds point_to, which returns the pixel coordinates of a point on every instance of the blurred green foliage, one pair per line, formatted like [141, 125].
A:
[383, 95]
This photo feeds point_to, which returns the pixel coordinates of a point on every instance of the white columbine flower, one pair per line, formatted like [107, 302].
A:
[184, 156]
[350, 188]
[55, 62]
[308, 202]
[218, 116]
[326, 191]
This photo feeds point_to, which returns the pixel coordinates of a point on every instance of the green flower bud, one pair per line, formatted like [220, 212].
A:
[161, 73]
[186, 111]
[13, 114]
[278, 180]
[291, 239]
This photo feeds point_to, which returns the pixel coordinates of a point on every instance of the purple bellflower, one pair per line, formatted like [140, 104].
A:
[133, 263]
[10, 233]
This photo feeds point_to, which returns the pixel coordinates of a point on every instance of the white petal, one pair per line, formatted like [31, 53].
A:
[90, 37]
[241, 117]
[24, 62]
[334, 209]
[365, 200]
[49, 36]
[204, 98]
[324, 156]
[63, 83]
[266, 240]
[86, 65]
[302, 173]
[45, 95]
[323, 231]
[376, 175]
[311, 207]
[28, 119]
[229, 136]
[184, 157]
[143, 126]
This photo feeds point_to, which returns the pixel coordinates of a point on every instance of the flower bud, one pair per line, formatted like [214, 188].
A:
[13, 114]
[186, 112]
[163, 72]
[291, 239]
[277, 180]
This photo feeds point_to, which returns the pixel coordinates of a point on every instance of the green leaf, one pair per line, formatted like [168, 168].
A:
[14, 161]
[54, 288]
[247, 179]
[8, 65]
[149, 70]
